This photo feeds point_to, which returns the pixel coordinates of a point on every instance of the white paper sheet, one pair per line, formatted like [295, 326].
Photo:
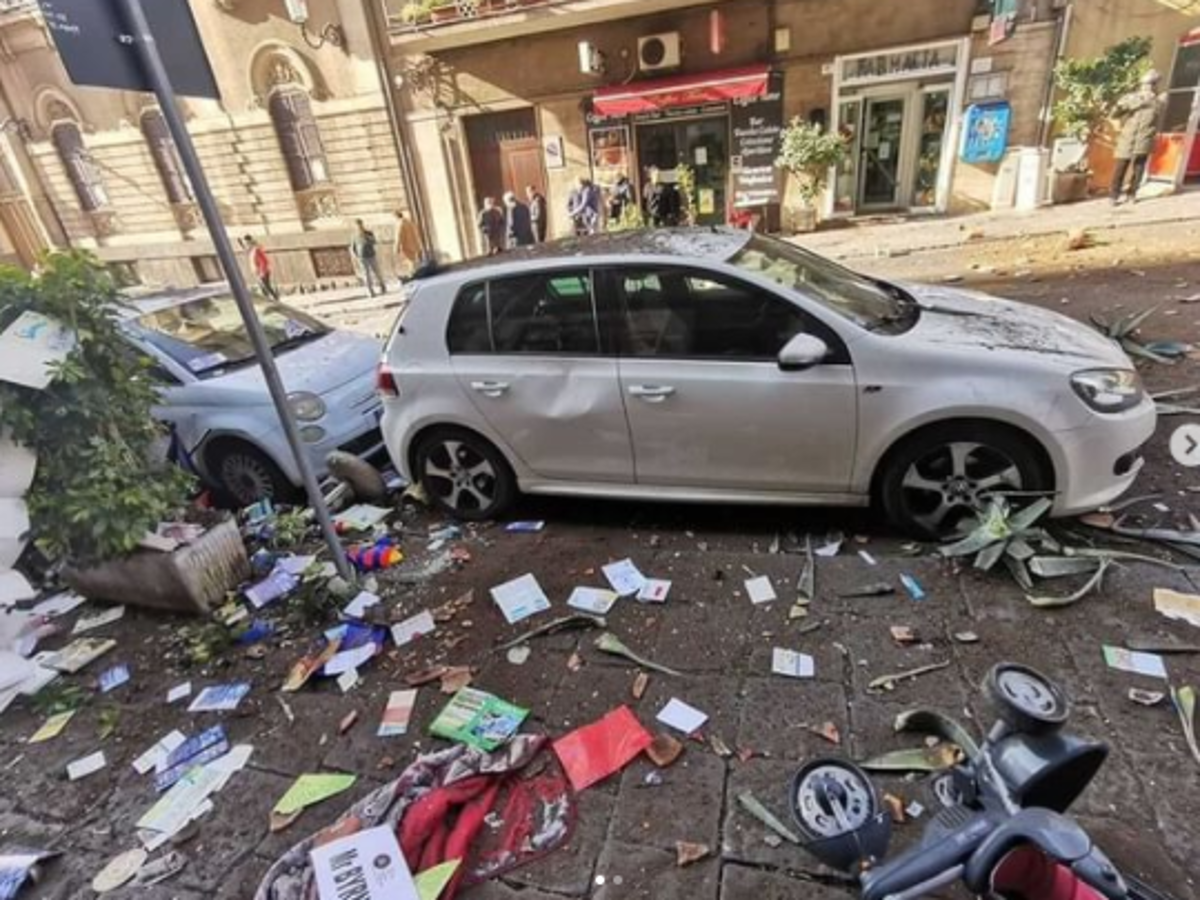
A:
[159, 751]
[347, 680]
[760, 589]
[592, 600]
[520, 598]
[1174, 605]
[1134, 661]
[58, 605]
[655, 590]
[792, 664]
[404, 633]
[682, 717]
[81, 768]
[357, 608]
[364, 866]
[179, 692]
[99, 620]
[624, 577]
[347, 660]
[29, 345]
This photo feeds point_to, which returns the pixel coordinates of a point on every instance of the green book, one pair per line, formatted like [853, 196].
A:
[478, 719]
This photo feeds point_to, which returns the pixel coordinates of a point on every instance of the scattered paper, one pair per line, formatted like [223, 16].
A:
[410, 629]
[308, 790]
[296, 565]
[360, 518]
[1134, 661]
[278, 584]
[913, 587]
[58, 605]
[81, 768]
[760, 589]
[655, 590]
[30, 345]
[791, 663]
[624, 577]
[179, 692]
[119, 870]
[220, 697]
[525, 527]
[17, 864]
[159, 752]
[592, 600]
[596, 751]
[829, 549]
[867, 558]
[357, 608]
[79, 653]
[348, 680]
[367, 865]
[678, 715]
[52, 727]
[1173, 605]
[111, 679]
[520, 598]
[433, 881]
[478, 719]
[397, 714]
[197, 750]
[99, 620]
[181, 803]
[349, 660]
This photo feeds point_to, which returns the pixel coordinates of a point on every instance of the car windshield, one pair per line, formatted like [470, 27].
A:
[207, 336]
[870, 304]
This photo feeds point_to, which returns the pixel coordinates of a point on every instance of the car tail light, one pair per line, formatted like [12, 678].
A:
[385, 382]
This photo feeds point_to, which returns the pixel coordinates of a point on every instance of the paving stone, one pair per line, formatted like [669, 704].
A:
[361, 751]
[243, 880]
[742, 836]
[498, 890]
[569, 869]
[634, 872]
[743, 883]
[1172, 784]
[685, 807]
[779, 715]
[718, 697]
[1137, 852]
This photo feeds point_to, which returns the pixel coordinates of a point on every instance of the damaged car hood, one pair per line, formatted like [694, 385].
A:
[968, 319]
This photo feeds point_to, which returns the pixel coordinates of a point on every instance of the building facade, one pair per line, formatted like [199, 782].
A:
[298, 146]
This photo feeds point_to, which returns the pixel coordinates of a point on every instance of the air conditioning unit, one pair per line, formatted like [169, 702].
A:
[658, 51]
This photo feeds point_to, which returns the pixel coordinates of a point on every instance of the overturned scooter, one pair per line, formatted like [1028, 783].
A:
[1000, 827]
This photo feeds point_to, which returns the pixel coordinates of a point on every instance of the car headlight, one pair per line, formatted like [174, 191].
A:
[1108, 390]
[306, 407]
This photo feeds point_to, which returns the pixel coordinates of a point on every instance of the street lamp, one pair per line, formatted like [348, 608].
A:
[330, 33]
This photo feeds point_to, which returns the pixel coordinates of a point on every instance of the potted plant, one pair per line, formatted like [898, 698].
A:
[808, 153]
[95, 494]
[1088, 93]
[415, 12]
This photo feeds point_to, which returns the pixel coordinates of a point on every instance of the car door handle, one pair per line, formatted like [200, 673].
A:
[652, 393]
[490, 388]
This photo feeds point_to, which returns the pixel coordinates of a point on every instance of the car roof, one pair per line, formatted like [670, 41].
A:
[697, 244]
[139, 301]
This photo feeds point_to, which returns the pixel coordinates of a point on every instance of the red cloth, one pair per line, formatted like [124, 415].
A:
[443, 824]
[260, 261]
[593, 752]
[1031, 874]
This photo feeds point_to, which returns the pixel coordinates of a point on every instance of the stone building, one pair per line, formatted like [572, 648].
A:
[297, 147]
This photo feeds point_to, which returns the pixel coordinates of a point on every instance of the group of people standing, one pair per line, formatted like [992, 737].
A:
[515, 225]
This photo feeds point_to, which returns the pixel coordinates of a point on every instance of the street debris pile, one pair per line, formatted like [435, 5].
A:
[500, 791]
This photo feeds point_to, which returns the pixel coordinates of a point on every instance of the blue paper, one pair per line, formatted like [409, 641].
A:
[113, 678]
[525, 527]
[197, 750]
[220, 697]
[913, 587]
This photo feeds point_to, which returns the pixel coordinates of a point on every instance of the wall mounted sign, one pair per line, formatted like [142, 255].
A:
[552, 150]
[756, 125]
[937, 59]
[985, 133]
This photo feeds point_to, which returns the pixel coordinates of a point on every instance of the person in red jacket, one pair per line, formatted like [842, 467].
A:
[260, 264]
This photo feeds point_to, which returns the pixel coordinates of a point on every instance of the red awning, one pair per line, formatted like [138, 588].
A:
[682, 90]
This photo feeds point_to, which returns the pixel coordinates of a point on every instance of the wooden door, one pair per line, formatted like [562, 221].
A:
[21, 225]
[521, 165]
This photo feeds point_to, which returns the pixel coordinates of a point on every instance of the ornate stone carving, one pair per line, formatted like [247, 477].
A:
[104, 222]
[283, 72]
[187, 216]
[57, 111]
[319, 203]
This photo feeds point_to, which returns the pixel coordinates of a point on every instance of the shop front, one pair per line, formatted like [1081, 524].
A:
[710, 134]
[897, 109]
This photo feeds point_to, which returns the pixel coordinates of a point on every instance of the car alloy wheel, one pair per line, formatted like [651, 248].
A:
[953, 480]
[460, 476]
[247, 478]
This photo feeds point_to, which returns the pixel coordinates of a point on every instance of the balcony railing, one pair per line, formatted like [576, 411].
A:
[17, 6]
[420, 15]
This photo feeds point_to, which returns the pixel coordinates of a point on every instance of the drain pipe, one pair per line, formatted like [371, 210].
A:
[1064, 29]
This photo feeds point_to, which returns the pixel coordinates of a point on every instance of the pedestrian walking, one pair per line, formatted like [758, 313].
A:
[538, 218]
[1140, 113]
[408, 250]
[664, 206]
[518, 227]
[363, 249]
[260, 265]
[583, 206]
[492, 226]
[620, 198]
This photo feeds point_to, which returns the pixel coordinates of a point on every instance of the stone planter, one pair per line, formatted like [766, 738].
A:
[804, 219]
[1069, 187]
[192, 579]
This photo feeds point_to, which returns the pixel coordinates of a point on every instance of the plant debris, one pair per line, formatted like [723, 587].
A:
[1144, 697]
[1184, 699]
[641, 681]
[687, 853]
[942, 755]
[664, 750]
[566, 623]
[610, 643]
[751, 804]
[929, 721]
[889, 682]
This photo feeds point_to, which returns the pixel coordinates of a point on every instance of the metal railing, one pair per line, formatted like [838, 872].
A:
[7, 6]
[424, 15]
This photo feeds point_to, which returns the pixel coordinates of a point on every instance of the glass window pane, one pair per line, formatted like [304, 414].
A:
[548, 314]
[468, 331]
[675, 313]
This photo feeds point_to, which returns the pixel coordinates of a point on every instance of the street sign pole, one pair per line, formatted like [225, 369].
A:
[138, 31]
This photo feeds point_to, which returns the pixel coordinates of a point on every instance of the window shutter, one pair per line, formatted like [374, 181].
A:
[299, 138]
[166, 157]
[85, 176]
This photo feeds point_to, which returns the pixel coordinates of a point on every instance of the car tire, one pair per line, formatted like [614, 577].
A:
[937, 478]
[464, 474]
[243, 475]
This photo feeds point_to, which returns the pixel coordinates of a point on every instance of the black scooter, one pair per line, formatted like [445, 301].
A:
[1000, 825]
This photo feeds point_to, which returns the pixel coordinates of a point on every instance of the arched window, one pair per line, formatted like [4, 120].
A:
[85, 175]
[166, 157]
[299, 139]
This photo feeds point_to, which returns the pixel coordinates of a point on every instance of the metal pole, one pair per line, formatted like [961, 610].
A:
[134, 18]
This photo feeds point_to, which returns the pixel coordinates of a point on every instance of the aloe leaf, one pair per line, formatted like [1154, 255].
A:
[1025, 518]
[1133, 348]
[971, 544]
[1019, 572]
[928, 721]
[610, 643]
[916, 759]
[1134, 321]
[989, 556]
[1019, 548]
[1060, 566]
[1092, 584]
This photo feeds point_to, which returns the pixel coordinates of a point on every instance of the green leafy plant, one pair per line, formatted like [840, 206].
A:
[1124, 332]
[416, 12]
[685, 180]
[808, 152]
[1090, 88]
[91, 428]
[58, 698]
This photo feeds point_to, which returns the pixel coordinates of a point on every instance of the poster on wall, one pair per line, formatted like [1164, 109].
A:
[757, 125]
[985, 133]
[610, 154]
[552, 151]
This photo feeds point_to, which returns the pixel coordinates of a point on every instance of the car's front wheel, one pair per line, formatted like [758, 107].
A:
[245, 475]
[464, 474]
[939, 477]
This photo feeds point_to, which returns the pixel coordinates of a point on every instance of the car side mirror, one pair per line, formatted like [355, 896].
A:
[802, 352]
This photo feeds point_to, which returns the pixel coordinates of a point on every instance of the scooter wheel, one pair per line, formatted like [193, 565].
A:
[1026, 700]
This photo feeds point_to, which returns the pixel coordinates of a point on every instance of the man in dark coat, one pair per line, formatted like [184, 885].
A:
[537, 213]
[492, 227]
[1140, 112]
[518, 230]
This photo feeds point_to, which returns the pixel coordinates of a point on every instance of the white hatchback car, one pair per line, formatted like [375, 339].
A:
[717, 365]
[216, 400]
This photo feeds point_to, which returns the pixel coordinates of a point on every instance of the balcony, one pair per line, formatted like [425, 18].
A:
[426, 26]
[17, 9]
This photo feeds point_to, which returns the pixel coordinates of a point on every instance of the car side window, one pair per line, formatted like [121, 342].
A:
[685, 313]
[468, 331]
[549, 313]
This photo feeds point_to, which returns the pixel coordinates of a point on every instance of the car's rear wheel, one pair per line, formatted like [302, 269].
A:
[464, 474]
[938, 478]
[245, 475]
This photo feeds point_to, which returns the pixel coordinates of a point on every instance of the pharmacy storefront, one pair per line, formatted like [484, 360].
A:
[898, 110]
